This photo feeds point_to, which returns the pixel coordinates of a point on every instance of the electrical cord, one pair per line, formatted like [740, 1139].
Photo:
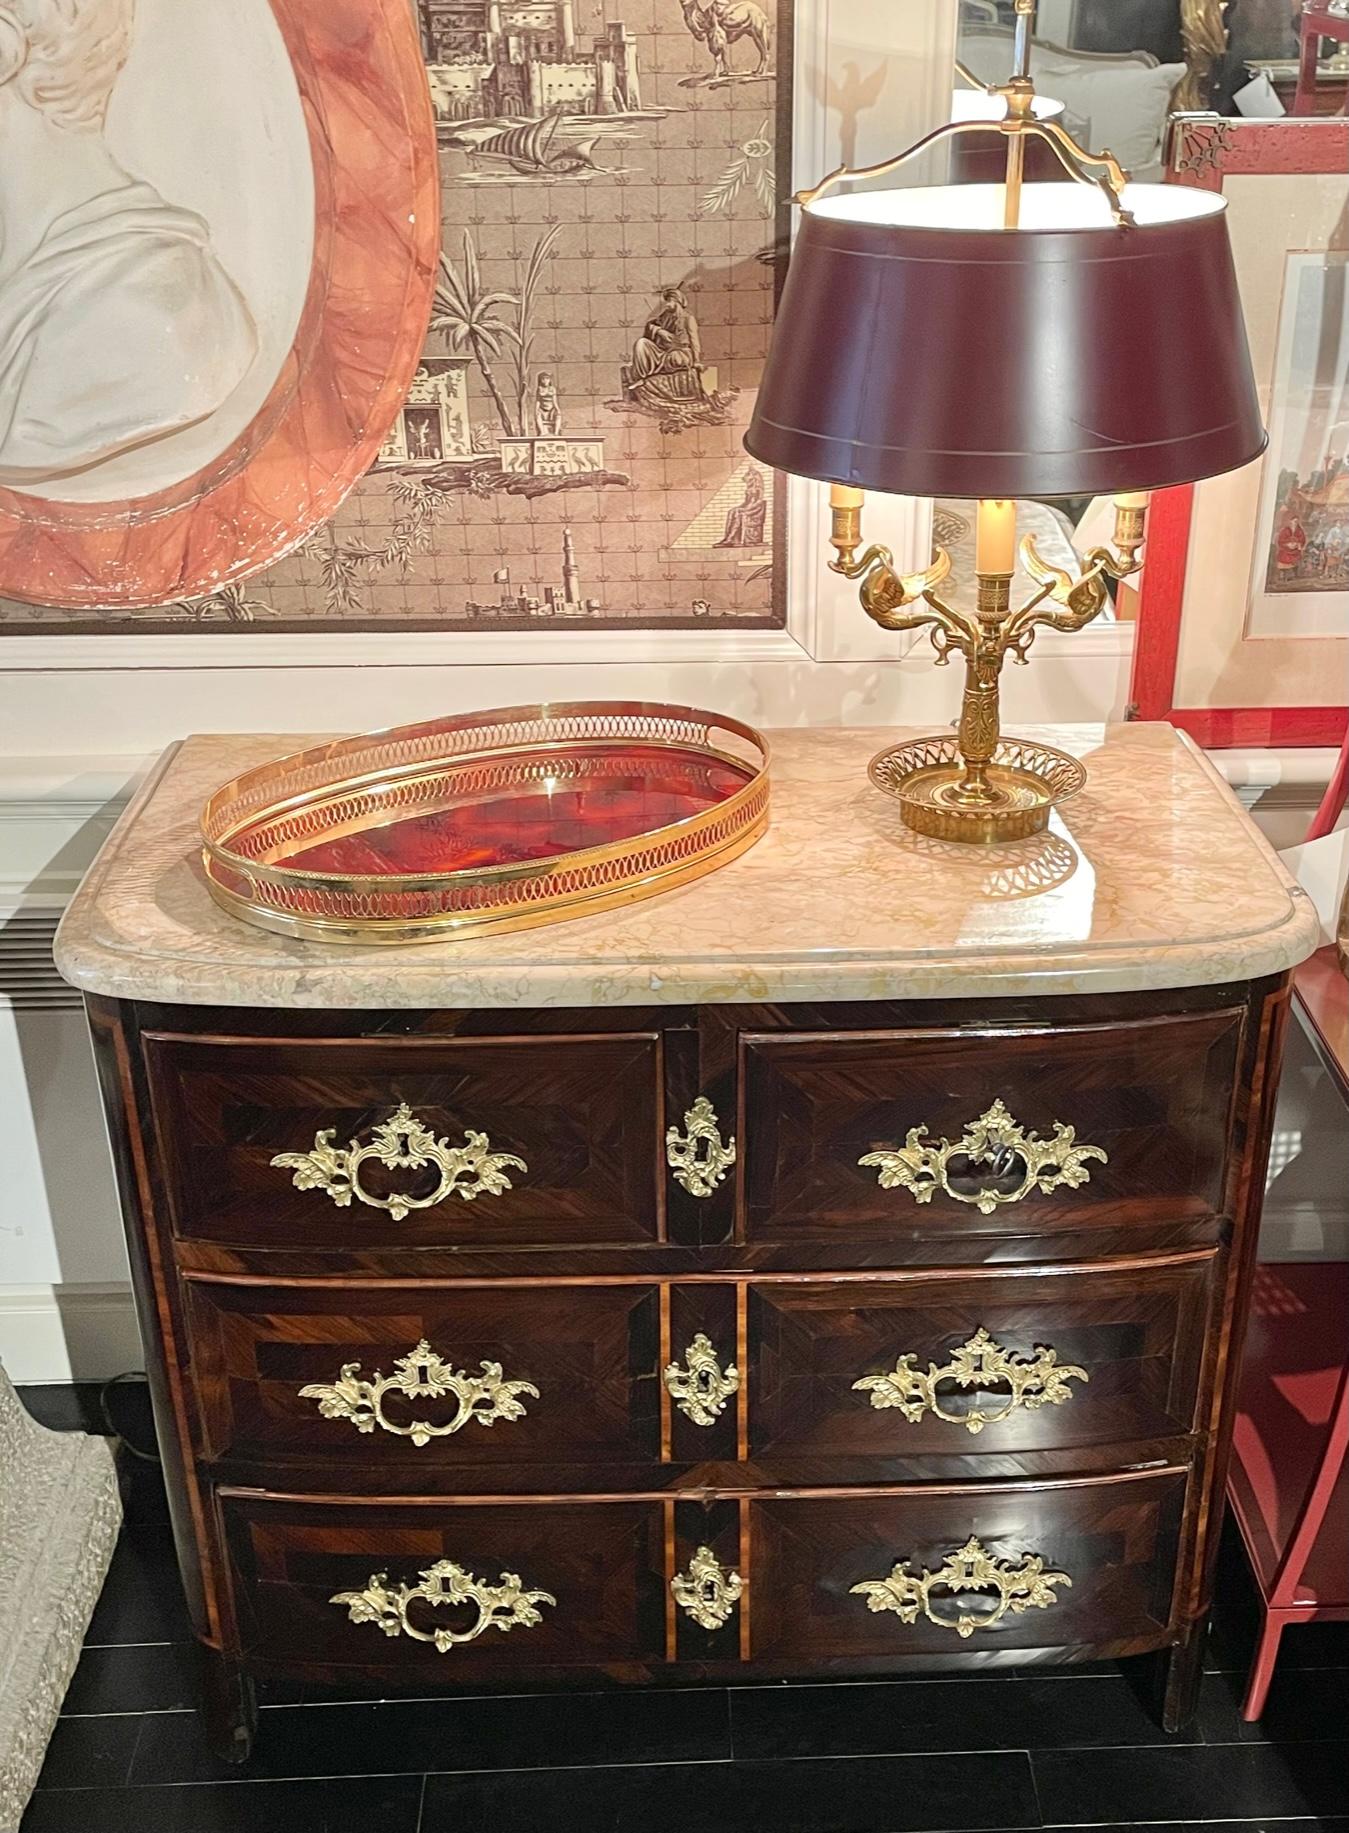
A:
[114, 1430]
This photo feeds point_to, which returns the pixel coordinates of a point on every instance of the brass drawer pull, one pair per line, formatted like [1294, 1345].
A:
[707, 1592]
[994, 1142]
[503, 1606]
[699, 1158]
[421, 1374]
[699, 1389]
[1026, 1586]
[403, 1143]
[1040, 1381]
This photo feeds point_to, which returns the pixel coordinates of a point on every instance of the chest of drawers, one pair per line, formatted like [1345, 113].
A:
[720, 1338]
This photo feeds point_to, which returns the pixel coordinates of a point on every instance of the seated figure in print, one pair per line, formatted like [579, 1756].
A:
[667, 358]
[747, 520]
[118, 324]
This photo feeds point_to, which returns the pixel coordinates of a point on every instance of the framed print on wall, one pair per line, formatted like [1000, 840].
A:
[565, 451]
[1243, 621]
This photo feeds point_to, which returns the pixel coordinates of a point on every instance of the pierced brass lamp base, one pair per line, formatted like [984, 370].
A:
[1024, 782]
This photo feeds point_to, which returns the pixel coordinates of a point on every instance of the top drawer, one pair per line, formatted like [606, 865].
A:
[534, 1141]
[994, 1132]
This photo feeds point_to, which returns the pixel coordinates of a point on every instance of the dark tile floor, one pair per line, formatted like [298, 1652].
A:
[1034, 1749]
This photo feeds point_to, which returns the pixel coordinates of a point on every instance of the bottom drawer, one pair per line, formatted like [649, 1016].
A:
[790, 1582]
[458, 1593]
[944, 1571]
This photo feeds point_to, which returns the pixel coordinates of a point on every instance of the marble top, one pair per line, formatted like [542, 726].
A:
[1152, 877]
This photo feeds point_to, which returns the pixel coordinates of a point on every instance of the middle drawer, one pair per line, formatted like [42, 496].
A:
[529, 1385]
[416, 1377]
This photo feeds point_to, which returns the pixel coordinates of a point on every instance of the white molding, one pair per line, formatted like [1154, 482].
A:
[55, 813]
[1308, 1232]
[833, 630]
[68, 1333]
[1296, 767]
[393, 648]
[73, 786]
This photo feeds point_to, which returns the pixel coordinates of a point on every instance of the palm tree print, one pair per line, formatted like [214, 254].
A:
[523, 335]
[469, 315]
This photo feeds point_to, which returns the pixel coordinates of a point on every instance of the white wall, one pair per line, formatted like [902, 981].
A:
[64, 1303]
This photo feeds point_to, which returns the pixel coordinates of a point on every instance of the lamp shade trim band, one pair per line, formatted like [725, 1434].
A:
[1133, 447]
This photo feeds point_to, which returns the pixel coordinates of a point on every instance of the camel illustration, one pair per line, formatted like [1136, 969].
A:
[721, 23]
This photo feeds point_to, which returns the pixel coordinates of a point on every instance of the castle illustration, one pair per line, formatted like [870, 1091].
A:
[489, 59]
[563, 600]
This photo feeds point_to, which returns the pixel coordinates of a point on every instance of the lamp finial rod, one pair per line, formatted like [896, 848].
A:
[1025, 21]
[1020, 96]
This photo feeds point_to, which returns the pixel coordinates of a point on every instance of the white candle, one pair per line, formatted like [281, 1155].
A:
[845, 496]
[1132, 499]
[995, 538]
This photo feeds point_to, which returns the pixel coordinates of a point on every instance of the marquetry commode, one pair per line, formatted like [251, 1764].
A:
[835, 1266]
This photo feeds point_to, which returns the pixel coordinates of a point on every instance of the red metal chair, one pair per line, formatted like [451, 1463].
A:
[1317, 22]
[1289, 1482]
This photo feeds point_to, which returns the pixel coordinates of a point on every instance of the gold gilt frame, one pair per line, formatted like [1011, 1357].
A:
[1203, 32]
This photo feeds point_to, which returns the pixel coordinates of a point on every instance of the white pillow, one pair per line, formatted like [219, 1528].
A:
[1127, 104]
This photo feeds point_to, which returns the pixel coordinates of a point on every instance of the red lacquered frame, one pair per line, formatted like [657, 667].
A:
[1203, 151]
[362, 83]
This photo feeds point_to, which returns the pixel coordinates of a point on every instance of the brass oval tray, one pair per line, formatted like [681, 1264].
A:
[486, 821]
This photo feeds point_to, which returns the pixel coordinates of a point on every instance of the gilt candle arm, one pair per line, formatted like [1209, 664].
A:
[884, 592]
[1077, 599]
[1064, 602]
[885, 595]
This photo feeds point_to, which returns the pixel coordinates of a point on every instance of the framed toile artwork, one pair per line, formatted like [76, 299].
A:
[565, 449]
[218, 236]
[1243, 622]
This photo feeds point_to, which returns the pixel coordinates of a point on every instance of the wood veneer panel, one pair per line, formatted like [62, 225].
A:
[582, 1112]
[1136, 1329]
[591, 1352]
[1154, 1094]
[1116, 1540]
[602, 1561]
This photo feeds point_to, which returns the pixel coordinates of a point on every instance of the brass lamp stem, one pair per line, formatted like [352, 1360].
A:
[983, 796]
[979, 708]
[1020, 93]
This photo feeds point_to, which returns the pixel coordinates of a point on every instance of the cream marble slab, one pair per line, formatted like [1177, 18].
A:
[1152, 877]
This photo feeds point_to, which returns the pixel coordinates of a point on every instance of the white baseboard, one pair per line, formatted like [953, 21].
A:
[68, 1333]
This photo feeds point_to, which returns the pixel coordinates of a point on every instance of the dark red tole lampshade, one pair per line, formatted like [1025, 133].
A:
[927, 360]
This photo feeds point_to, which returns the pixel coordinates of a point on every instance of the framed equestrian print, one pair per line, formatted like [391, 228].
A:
[1243, 623]
[220, 235]
[552, 396]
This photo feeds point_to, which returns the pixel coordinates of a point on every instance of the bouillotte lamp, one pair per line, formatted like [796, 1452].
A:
[1080, 338]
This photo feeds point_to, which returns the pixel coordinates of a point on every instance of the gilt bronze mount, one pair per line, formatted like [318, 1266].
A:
[978, 787]
[947, 1597]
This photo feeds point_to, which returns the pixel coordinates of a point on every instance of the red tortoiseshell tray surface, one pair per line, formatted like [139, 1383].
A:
[486, 821]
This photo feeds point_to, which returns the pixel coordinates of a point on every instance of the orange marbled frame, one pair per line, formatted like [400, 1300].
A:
[363, 87]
